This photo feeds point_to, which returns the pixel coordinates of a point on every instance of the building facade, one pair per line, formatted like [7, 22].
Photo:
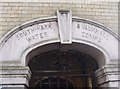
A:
[59, 44]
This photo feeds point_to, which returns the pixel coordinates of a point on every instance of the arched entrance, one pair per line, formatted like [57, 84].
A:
[64, 34]
[73, 66]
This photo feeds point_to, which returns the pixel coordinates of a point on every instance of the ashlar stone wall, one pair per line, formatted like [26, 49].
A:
[15, 13]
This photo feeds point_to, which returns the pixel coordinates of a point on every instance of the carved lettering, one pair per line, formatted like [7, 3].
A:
[31, 30]
[93, 29]
[37, 36]
[91, 36]
[78, 26]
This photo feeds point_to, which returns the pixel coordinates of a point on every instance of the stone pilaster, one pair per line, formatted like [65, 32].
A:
[15, 77]
[108, 76]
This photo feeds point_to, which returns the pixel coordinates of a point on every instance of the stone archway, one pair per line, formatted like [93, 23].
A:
[31, 38]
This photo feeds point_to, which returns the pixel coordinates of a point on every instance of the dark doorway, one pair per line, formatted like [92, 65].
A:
[63, 70]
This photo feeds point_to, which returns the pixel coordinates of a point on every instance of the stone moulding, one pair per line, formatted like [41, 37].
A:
[54, 18]
[83, 31]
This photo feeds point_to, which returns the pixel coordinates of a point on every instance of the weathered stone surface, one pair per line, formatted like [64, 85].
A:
[44, 31]
[15, 45]
[108, 76]
[15, 76]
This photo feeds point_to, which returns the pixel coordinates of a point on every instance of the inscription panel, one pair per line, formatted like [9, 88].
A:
[95, 35]
[38, 32]
[89, 34]
[27, 37]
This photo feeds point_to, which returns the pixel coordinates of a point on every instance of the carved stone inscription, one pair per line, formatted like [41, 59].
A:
[89, 32]
[48, 32]
[36, 32]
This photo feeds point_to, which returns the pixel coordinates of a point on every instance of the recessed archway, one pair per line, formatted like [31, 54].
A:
[71, 65]
[94, 58]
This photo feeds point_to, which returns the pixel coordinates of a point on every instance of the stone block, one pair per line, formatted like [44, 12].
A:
[4, 4]
[15, 8]
[11, 4]
[1, 34]
[33, 4]
[4, 23]
[46, 5]
[7, 8]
